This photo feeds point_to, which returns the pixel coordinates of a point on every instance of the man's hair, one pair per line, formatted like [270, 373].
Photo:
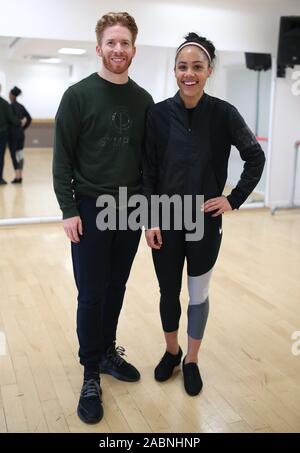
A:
[110, 19]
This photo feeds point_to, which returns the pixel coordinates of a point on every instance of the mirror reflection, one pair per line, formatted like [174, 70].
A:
[43, 71]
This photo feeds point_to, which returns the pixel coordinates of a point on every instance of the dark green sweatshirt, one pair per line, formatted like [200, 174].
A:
[99, 131]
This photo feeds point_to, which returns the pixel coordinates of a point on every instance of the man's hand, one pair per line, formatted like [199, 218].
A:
[219, 204]
[153, 238]
[73, 228]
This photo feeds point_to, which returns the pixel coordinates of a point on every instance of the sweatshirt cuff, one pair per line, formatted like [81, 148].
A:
[234, 203]
[70, 212]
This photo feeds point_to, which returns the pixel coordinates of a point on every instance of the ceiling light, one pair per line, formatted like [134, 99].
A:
[71, 51]
[49, 60]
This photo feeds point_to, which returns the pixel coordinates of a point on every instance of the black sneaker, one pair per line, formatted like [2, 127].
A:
[168, 362]
[17, 181]
[2, 182]
[113, 363]
[90, 408]
[192, 380]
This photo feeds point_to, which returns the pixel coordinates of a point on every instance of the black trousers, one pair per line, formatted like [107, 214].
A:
[3, 142]
[101, 263]
[169, 261]
[13, 154]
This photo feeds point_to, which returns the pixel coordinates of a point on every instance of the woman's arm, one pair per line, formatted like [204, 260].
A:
[27, 117]
[251, 153]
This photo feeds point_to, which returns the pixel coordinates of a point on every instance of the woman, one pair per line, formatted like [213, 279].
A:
[188, 143]
[16, 135]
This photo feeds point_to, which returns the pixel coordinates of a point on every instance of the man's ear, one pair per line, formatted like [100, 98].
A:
[98, 50]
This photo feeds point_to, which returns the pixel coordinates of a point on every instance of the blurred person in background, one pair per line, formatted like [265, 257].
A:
[7, 119]
[16, 136]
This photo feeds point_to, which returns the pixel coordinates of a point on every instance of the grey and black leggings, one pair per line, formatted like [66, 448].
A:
[169, 261]
[16, 148]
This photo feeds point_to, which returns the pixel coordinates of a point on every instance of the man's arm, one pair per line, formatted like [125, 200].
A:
[67, 127]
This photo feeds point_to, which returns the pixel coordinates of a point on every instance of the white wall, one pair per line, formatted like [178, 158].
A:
[152, 68]
[233, 25]
[285, 132]
[236, 84]
[42, 85]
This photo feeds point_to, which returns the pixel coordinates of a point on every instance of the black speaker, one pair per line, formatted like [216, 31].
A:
[258, 61]
[289, 41]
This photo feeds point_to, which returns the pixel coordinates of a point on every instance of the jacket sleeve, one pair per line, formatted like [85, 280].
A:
[251, 153]
[150, 162]
[66, 132]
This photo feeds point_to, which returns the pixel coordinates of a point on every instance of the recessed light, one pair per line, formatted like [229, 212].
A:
[71, 51]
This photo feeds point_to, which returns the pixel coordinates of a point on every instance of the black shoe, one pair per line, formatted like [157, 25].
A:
[16, 181]
[90, 408]
[2, 182]
[168, 362]
[113, 363]
[192, 380]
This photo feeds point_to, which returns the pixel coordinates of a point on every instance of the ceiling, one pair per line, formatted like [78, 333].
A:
[27, 49]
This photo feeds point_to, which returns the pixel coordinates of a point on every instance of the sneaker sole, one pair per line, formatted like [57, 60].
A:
[92, 421]
[169, 377]
[118, 376]
[193, 394]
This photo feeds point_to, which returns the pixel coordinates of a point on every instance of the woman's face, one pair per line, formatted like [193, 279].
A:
[191, 71]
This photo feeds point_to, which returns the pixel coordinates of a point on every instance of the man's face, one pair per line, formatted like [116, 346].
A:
[116, 49]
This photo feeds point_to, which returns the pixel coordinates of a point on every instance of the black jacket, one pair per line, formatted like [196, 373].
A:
[7, 117]
[17, 132]
[182, 158]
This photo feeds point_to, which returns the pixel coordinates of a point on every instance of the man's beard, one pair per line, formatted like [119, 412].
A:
[111, 67]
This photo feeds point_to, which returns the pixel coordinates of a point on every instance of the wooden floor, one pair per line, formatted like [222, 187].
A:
[35, 196]
[251, 378]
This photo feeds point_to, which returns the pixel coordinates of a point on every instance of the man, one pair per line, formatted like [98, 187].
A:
[7, 119]
[98, 139]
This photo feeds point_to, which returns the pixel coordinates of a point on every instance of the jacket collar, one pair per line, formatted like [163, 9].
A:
[177, 99]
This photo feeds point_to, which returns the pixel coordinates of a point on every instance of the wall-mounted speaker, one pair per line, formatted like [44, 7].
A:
[289, 41]
[258, 61]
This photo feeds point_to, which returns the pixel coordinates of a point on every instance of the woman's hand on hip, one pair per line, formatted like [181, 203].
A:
[218, 204]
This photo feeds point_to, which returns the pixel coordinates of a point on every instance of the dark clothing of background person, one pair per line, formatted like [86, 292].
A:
[7, 119]
[16, 136]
